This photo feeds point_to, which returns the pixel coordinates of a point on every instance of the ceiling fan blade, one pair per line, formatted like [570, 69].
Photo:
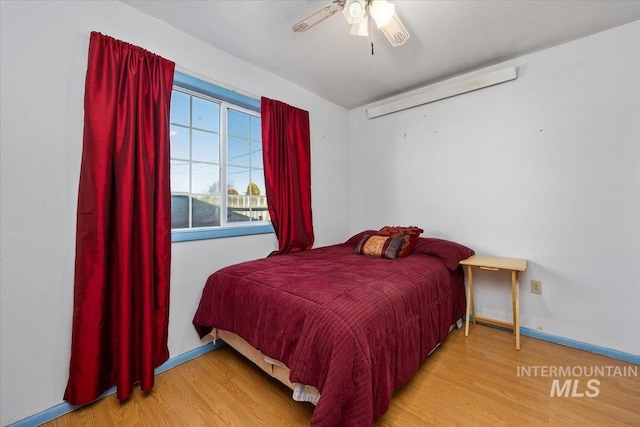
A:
[318, 16]
[396, 33]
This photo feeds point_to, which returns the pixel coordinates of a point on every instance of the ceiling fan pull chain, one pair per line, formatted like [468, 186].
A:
[371, 32]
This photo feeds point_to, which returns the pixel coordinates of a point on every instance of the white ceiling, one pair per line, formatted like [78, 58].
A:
[447, 38]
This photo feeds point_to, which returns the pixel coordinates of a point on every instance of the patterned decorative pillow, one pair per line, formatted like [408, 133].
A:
[408, 234]
[379, 246]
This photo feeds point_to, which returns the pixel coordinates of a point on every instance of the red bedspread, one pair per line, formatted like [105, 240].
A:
[353, 326]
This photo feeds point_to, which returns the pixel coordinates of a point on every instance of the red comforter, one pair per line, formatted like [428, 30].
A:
[353, 326]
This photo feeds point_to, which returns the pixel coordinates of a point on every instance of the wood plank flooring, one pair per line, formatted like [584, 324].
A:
[470, 381]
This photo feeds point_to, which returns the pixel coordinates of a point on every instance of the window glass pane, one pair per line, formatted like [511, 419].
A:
[179, 211]
[257, 177]
[205, 146]
[238, 179]
[256, 154]
[238, 151]
[179, 176]
[259, 210]
[206, 211]
[205, 178]
[238, 208]
[179, 142]
[180, 108]
[206, 114]
[256, 128]
[238, 123]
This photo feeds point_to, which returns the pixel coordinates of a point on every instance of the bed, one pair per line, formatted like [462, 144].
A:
[353, 327]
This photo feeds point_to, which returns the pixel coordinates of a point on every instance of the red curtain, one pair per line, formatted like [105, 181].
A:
[286, 153]
[123, 242]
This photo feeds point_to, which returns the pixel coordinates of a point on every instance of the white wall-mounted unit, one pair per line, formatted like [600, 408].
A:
[447, 91]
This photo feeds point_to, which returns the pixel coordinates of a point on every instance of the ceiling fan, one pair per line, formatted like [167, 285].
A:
[358, 14]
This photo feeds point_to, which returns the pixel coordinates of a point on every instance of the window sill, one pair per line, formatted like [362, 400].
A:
[218, 233]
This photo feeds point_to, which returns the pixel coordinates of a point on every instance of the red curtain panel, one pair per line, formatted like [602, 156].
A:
[286, 151]
[123, 242]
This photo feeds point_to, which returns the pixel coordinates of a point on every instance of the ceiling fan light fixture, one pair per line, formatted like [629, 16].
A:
[395, 32]
[382, 11]
[361, 28]
[354, 11]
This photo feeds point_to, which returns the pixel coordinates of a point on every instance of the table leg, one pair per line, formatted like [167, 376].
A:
[469, 301]
[515, 289]
[513, 300]
[473, 300]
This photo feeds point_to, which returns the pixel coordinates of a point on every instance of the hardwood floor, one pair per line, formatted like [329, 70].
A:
[470, 381]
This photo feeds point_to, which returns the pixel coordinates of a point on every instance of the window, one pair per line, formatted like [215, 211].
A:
[217, 175]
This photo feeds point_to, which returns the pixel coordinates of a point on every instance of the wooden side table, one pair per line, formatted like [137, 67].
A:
[492, 263]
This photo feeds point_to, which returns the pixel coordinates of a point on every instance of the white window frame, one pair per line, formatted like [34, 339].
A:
[226, 100]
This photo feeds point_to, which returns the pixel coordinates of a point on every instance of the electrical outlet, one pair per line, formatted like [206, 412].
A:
[536, 287]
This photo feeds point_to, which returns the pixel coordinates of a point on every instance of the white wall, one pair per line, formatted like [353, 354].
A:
[546, 167]
[44, 56]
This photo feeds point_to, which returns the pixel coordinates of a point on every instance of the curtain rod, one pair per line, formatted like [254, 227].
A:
[194, 73]
[216, 82]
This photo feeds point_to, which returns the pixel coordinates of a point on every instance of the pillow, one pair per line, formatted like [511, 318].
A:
[379, 246]
[408, 234]
[450, 253]
[355, 239]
